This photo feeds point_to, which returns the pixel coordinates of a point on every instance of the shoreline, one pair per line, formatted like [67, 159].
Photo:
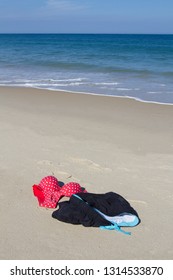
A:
[88, 93]
[104, 144]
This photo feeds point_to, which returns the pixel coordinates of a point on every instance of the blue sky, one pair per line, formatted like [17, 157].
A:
[86, 16]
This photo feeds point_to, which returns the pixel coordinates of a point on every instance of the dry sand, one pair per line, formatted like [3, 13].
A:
[103, 143]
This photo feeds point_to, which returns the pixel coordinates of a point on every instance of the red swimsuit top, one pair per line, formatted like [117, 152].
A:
[48, 191]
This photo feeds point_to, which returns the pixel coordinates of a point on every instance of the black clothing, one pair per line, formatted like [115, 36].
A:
[81, 209]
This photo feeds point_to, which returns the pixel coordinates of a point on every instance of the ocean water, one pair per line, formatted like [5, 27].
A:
[135, 66]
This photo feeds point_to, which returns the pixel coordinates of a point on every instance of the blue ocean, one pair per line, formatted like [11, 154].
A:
[135, 66]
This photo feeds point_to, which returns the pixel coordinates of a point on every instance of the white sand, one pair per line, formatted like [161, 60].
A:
[103, 143]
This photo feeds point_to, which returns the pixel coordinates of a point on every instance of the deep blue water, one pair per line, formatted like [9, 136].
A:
[138, 66]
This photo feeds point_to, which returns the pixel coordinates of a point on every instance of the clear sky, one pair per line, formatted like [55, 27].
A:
[86, 16]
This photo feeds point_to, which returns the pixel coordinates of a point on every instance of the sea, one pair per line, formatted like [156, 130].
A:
[126, 65]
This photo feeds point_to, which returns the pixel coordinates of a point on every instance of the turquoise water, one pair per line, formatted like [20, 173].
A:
[137, 66]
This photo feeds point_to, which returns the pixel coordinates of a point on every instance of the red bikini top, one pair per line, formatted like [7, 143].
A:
[49, 192]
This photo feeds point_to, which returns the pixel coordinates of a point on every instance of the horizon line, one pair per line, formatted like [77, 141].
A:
[80, 33]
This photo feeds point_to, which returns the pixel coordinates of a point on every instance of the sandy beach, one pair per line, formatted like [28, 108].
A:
[103, 143]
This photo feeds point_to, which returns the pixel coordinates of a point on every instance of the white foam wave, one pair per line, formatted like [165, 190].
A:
[123, 89]
[107, 83]
[153, 92]
[87, 85]
[58, 83]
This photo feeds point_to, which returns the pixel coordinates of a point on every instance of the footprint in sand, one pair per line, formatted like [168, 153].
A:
[67, 175]
[46, 166]
[52, 169]
[44, 162]
[90, 164]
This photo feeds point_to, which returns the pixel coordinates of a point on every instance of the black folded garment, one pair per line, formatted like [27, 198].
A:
[85, 208]
[76, 211]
